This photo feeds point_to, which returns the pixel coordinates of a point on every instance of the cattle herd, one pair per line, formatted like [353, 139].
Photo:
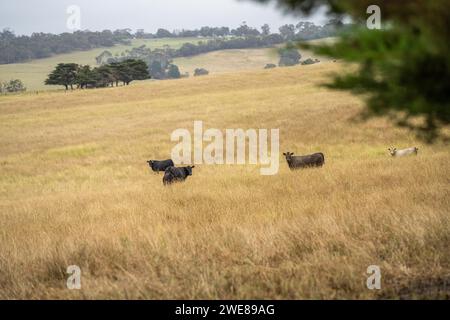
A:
[177, 174]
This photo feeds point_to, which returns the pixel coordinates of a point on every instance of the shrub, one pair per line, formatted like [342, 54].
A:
[173, 72]
[14, 85]
[309, 61]
[200, 72]
[270, 66]
[289, 57]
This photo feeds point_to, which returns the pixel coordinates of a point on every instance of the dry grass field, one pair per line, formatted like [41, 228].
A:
[236, 60]
[75, 189]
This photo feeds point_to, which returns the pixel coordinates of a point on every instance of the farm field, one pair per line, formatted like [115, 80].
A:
[75, 189]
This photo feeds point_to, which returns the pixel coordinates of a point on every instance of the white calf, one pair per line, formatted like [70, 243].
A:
[404, 152]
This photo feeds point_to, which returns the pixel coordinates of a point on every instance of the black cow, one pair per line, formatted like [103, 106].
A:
[297, 162]
[158, 166]
[173, 174]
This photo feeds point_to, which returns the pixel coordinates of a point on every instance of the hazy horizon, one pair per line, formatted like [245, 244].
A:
[25, 16]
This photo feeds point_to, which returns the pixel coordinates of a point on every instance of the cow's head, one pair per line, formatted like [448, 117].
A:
[189, 170]
[288, 155]
[392, 151]
[150, 163]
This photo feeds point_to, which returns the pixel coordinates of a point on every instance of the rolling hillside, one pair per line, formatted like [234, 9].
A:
[75, 189]
[34, 73]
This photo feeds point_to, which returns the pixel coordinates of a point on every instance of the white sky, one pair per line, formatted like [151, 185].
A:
[27, 16]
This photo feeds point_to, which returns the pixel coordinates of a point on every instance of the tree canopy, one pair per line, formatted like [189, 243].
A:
[42, 45]
[65, 74]
[70, 74]
[15, 48]
[289, 56]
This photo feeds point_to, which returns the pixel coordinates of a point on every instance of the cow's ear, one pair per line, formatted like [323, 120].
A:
[192, 167]
[284, 153]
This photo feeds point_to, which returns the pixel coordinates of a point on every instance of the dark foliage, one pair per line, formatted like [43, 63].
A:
[200, 72]
[42, 45]
[70, 74]
[270, 66]
[289, 56]
[173, 72]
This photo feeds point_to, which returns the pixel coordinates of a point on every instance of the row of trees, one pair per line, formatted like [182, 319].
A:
[305, 30]
[159, 61]
[41, 45]
[302, 30]
[83, 76]
[242, 30]
[251, 41]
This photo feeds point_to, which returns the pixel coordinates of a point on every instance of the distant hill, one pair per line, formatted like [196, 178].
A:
[15, 49]
[34, 72]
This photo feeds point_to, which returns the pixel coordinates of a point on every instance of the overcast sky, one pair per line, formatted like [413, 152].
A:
[28, 16]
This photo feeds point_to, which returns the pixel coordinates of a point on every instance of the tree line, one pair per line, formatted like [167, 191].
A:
[243, 42]
[72, 75]
[304, 30]
[42, 45]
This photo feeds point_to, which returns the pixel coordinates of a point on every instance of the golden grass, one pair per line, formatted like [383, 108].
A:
[75, 189]
[235, 60]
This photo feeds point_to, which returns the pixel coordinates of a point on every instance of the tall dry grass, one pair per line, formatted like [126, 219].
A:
[75, 190]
